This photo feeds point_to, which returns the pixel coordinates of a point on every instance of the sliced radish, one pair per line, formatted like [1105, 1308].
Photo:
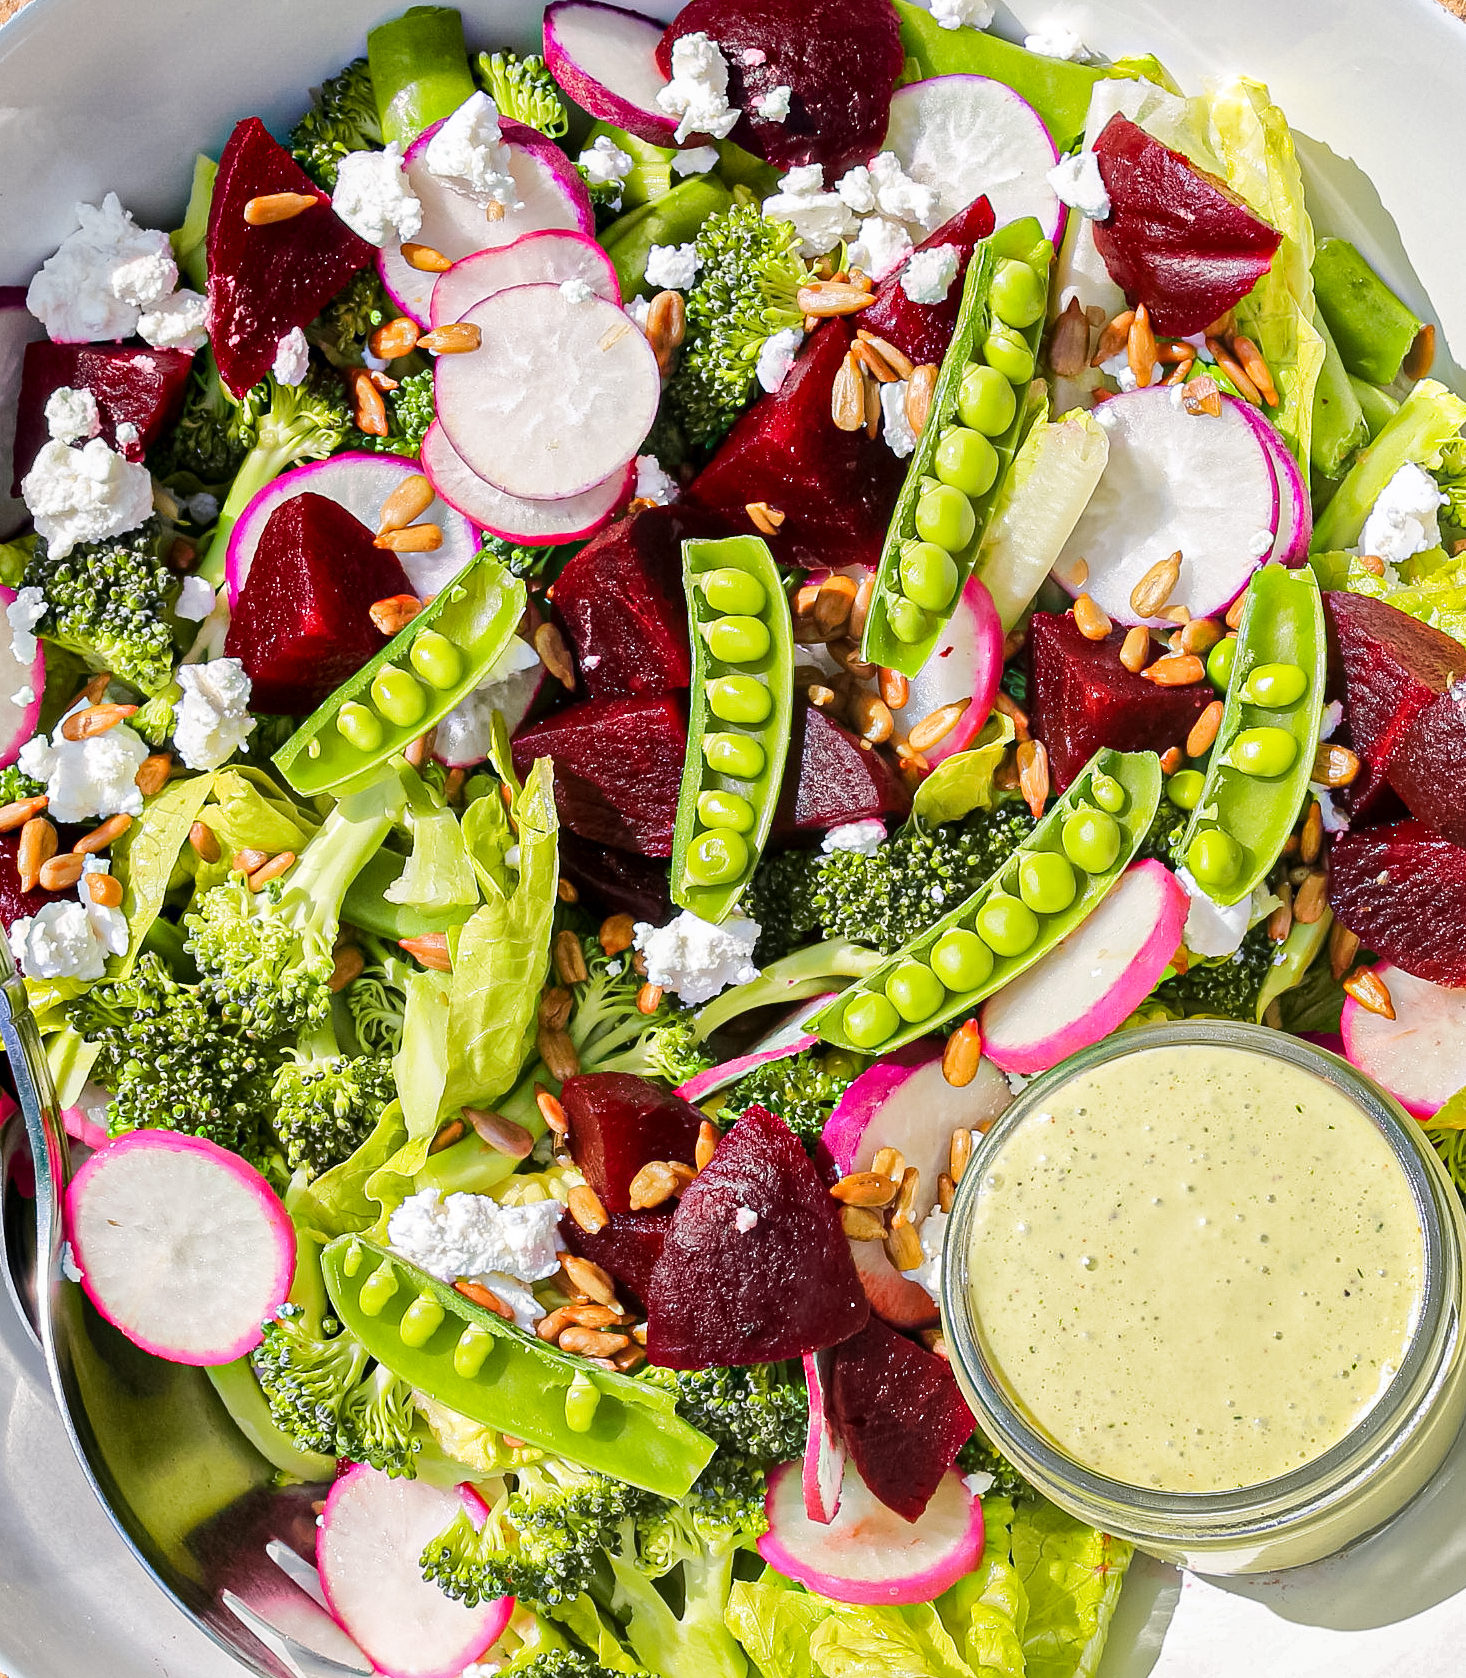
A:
[22, 686]
[360, 483]
[464, 736]
[788, 1039]
[560, 395]
[606, 59]
[550, 194]
[182, 1245]
[966, 663]
[1093, 979]
[548, 258]
[1295, 512]
[573, 518]
[1420, 1055]
[18, 327]
[373, 1532]
[970, 137]
[868, 1553]
[1174, 482]
[824, 1453]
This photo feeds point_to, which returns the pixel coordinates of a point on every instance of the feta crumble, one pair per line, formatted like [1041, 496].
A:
[881, 247]
[696, 160]
[576, 291]
[84, 778]
[102, 276]
[653, 483]
[179, 322]
[697, 93]
[292, 358]
[773, 106]
[211, 721]
[57, 943]
[604, 161]
[929, 274]
[471, 1235]
[1056, 40]
[70, 1269]
[953, 14]
[1212, 929]
[896, 428]
[127, 435]
[1077, 182]
[374, 199]
[745, 1219]
[776, 356]
[85, 494]
[469, 153]
[640, 308]
[883, 187]
[195, 599]
[23, 614]
[696, 959]
[933, 1233]
[109, 925]
[672, 267]
[866, 837]
[821, 219]
[72, 416]
[1405, 520]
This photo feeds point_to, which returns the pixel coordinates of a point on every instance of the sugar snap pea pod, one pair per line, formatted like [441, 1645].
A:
[412, 683]
[1259, 770]
[1370, 325]
[973, 429]
[419, 70]
[464, 1356]
[1042, 891]
[738, 724]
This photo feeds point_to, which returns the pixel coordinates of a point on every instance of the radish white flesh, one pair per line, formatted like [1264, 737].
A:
[788, 1039]
[18, 327]
[824, 1453]
[868, 1553]
[360, 483]
[969, 137]
[605, 59]
[464, 736]
[1091, 981]
[966, 663]
[22, 687]
[550, 194]
[1420, 1055]
[182, 1245]
[1295, 514]
[548, 258]
[570, 519]
[372, 1533]
[559, 396]
[1174, 482]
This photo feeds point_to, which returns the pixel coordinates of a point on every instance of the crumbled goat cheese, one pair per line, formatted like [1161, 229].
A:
[23, 614]
[881, 248]
[952, 14]
[23, 696]
[374, 199]
[469, 153]
[1333, 715]
[102, 276]
[640, 308]
[1056, 40]
[696, 160]
[605, 162]
[211, 721]
[466, 733]
[672, 267]
[1119, 369]
[1334, 819]
[72, 415]
[70, 1269]
[127, 434]
[979, 1483]
[292, 358]
[929, 274]
[773, 106]
[179, 322]
[697, 959]
[896, 428]
[202, 508]
[697, 94]
[933, 1234]
[745, 1219]
[1078, 183]
[1211, 929]
[94, 777]
[1405, 520]
[109, 926]
[883, 187]
[652, 482]
[195, 600]
[57, 943]
[866, 836]
[472, 1236]
[576, 291]
[776, 356]
[1261, 544]
[821, 219]
[85, 495]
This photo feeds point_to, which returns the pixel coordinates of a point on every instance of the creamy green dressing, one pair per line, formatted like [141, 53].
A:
[1196, 1268]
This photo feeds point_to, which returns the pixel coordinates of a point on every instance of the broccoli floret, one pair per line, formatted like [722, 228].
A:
[540, 563]
[1450, 479]
[343, 118]
[565, 1663]
[109, 603]
[326, 1103]
[377, 998]
[524, 90]
[1162, 842]
[781, 899]
[760, 1411]
[1227, 986]
[207, 444]
[977, 1456]
[16, 784]
[802, 1089]
[377, 1424]
[409, 414]
[342, 328]
[605, 197]
[612, 1034]
[746, 291]
[173, 1062]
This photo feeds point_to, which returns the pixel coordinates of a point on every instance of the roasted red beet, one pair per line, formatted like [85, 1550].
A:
[756, 1267]
[133, 385]
[922, 331]
[901, 1414]
[840, 58]
[618, 880]
[1402, 890]
[15, 903]
[1394, 667]
[619, 1123]
[836, 489]
[1080, 697]
[618, 768]
[1176, 239]
[1428, 769]
[833, 777]
[628, 1247]
[301, 624]
[265, 281]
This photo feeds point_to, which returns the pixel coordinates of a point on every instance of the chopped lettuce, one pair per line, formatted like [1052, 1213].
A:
[1431, 586]
[964, 782]
[1072, 1576]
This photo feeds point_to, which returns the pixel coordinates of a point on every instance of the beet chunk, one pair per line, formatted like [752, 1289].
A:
[627, 1248]
[618, 768]
[922, 331]
[265, 281]
[901, 1414]
[619, 1123]
[1394, 667]
[1429, 768]
[833, 777]
[784, 1285]
[1402, 890]
[839, 58]
[1080, 697]
[302, 623]
[621, 881]
[1176, 239]
[132, 385]
[15, 902]
[837, 489]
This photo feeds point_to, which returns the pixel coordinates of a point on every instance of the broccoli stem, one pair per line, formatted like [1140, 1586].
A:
[420, 71]
[806, 973]
[351, 834]
[190, 240]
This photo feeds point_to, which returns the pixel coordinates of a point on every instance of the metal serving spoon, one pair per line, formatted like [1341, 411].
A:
[200, 1509]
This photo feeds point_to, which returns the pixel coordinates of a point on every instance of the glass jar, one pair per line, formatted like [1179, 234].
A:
[1350, 1488]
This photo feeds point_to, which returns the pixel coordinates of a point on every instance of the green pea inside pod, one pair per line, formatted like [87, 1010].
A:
[869, 1019]
[928, 575]
[1046, 882]
[1264, 753]
[944, 515]
[985, 401]
[1018, 293]
[1219, 662]
[1091, 840]
[737, 640]
[915, 992]
[966, 460]
[1107, 792]
[399, 696]
[716, 857]
[961, 960]
[733, 591]
[1214, 859]
[909, 623]
[420, 1321]
[1006, 924]
[359, 726]
[1274, 687]
[582, 1400]
[436, 660]
[734, 755]
[725, 809]
[1185, 787]
[740, 699]
[1005, 350]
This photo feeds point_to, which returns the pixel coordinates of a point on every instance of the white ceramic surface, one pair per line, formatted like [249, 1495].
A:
[99, 95]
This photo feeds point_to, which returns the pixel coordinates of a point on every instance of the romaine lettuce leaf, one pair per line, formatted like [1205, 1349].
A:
[1431, 586]
[1072, 1576]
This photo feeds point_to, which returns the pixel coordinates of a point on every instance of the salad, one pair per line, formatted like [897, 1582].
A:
[606, 652]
